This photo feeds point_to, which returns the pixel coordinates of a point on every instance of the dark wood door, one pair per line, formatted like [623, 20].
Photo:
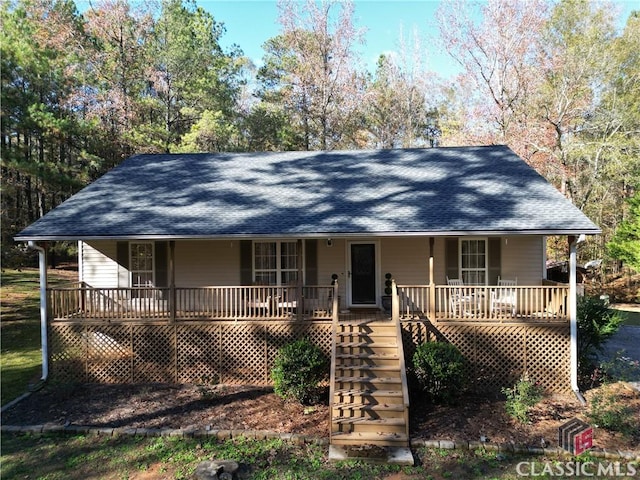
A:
[363, 274]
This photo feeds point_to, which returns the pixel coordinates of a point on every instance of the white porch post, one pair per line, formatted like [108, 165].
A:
[432, 284]
[42, 262]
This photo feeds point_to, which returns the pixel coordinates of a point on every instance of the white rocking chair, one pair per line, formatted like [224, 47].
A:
[504, 300]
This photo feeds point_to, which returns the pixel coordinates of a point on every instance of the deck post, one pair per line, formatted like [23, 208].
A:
[432, 284]
[395, 302]
[172, 281]
[299, 292]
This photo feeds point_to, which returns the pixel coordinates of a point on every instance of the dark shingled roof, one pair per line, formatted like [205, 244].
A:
[440, 191]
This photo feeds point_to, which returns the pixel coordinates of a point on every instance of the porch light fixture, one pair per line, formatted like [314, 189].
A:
[329, 242]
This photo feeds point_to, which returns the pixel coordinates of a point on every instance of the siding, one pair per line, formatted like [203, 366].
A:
[333, 260]
[407, 259]
[211, 263]
[522, 257]
[99, 267]
[201, 263]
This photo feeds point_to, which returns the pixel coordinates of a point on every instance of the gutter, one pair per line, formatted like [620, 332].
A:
[42, 262]
[573, 315]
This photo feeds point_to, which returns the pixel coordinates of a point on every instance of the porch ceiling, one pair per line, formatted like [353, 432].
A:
[443, 191]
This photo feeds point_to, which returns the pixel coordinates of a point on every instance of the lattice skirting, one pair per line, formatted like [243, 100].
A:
[499, 354]
[211, 352]
[244, 352]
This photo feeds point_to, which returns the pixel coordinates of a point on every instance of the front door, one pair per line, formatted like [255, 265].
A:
[362, 258]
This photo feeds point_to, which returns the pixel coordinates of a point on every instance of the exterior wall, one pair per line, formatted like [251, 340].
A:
[217, 263]
[522, 258]
[99, 267]
[407, 259]
[202, 263]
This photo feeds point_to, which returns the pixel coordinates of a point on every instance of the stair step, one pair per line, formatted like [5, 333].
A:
[390, 407]
[382, 422]
[367, 379]
[373, 368]
[371, 438]
[366, 345]
[373, 356]
[368, 392]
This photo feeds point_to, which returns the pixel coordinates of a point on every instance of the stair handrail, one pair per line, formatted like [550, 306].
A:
[334, 334]
[395, 317]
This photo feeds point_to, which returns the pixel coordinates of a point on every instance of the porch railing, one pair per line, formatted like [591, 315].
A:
[439, 303]
[190, 303]
[485, 303]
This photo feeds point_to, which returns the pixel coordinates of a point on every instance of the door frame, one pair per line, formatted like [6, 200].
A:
[349, 292]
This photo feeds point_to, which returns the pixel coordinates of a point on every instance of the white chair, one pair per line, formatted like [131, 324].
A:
[504, 299]
[456, 296]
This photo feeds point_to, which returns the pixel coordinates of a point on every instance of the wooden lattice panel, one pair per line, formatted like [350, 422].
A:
[198, 356]
[155, 353]
[244, 354]
[499, 357]
[67, 355]
[109, 353]
[499, 354]
[548, 358]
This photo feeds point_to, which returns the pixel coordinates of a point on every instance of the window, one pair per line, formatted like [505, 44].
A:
[141, 254]
[275, 263]
[473, 261]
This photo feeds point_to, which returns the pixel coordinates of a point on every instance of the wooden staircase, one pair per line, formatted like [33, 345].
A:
[369, 397]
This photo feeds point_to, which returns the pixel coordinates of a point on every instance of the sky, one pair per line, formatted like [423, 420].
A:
[249, 23]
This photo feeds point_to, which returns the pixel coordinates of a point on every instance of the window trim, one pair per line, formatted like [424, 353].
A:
[486, 257]
[278, 268]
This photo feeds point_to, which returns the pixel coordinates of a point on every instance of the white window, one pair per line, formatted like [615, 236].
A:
[141, 264]
[473, 261]
[275, 263]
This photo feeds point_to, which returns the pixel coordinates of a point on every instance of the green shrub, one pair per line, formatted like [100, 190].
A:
[524, 395]
[608, 410]
[298, 369]
[440, 370]
[596, 324]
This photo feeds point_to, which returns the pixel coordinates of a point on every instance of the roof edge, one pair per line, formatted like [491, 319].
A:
[453, 233]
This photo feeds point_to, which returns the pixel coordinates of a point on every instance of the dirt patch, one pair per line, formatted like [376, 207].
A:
[258, 408]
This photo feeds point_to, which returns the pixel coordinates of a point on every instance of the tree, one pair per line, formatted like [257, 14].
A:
[496, 55]
[190, 73]
[625, 244]
[44, 152]
[309, 69]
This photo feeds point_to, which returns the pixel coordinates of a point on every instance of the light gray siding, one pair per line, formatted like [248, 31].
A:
[99, 266]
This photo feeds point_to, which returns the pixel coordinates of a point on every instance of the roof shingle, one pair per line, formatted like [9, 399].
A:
[471, 190]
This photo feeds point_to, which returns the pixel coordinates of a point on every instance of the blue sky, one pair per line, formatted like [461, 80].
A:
[250, 23]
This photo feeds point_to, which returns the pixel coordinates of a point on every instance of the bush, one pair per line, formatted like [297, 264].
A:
[608, 410]
[440, 370]
[298, 369]
[596, 324]
[524, 395]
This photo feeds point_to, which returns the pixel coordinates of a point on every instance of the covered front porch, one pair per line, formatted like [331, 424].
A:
[547, 302]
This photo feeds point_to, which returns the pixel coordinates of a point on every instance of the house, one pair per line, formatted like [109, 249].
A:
[197, 267]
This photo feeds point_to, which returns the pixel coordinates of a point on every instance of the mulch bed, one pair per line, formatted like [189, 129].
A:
[474, 418]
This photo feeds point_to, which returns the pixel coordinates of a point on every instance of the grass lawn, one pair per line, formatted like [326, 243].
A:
[79, 457]
[632, 318]
[20, 354]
